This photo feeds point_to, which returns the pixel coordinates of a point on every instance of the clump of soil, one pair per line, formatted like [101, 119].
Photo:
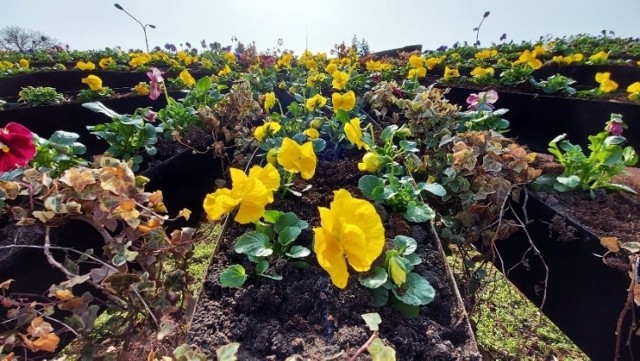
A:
[195, 137]
[305, 314]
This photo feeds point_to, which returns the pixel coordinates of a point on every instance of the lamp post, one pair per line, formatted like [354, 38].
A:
[144, 27]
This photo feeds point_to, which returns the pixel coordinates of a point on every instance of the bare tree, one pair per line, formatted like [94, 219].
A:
[15, 38]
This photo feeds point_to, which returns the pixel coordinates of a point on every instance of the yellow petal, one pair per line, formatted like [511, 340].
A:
[268, 176]
[330, 257]
[219, 203]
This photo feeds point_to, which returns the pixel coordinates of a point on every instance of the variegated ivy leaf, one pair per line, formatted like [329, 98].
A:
[117, 177]
[128, 212]
[55, 204]
[43, 216]
[78, 179]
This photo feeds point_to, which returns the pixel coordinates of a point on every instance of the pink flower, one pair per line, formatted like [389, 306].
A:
[155, 75]
[16, 147]
[150, 116]
[615, 126]
[482, 100]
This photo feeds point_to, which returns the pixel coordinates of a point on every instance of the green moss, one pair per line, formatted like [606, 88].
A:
[510, 327]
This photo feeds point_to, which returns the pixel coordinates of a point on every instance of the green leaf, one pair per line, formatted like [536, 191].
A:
[254, 244]
[433, 188]
[372, 320]
[319, 145]
[272, 216]
[368, 183]
[380, 296]
[571, 181]
[614, 140]
[63, 138]
[273, 277]
[288, 235]
[228, 352]
[407, 244]
[397, 271]
[204, 84]
[388, 133]
[413, 259]
[633, 247]
[233, 276]
[408, 311]
[289, 219]
[378, 278]
[419, 212]
[262, 266]
[175, 281]
[620, 187]
[298, 252]
[380, 352]
[100, 108]
[417, 291]
[409, 146]
[543, 182]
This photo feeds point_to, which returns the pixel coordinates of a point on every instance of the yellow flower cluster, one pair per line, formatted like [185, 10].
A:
[93, 81]
[187, 78]
[105, 62]
[249, 193]
[351, 231]
[139, 59]
[315, 78]
[142, 88]
[486, 54]
[480, 72]
[529, 57]
[24, 63]
[374, 65]
[269, 100]
[371, 162]
[634, 91]
[606, 85]
[434, 61]
[267, 129]
[417, 70]
[340, 79]
[295, 158]
[451, 73]
[230, 57]
[354, 133]
[599, 57]
[284, 61]
[85, 65]
[225, 71]
[569, 59]
[316, 101]
[187, 58]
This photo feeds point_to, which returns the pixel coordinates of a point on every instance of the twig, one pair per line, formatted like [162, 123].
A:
[364, 347]
[50, 259]
[623, 314]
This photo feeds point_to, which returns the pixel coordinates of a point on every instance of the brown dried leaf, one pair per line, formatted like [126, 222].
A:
[39, 328]
[636, 294]
[78, 179]
[6, 284]
[610, 243]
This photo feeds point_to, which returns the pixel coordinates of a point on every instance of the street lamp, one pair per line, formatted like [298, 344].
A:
[144, 27]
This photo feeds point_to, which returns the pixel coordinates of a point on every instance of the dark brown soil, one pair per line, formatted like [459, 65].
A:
[306, 315]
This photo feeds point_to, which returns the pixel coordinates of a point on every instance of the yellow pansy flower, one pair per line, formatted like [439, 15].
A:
[539, 50]
[6, 64]
[331, 68]
[249, 193]
[226, 70]
[414, 73]
[139, 59]
[344, 101]
[351, 231]
[371, 162]
[634, 91]
[105, 62]
[558, 59]
[354, 133]
[606, 85]
[416, 61]
[450, 73]
[269, 100]
[187, 78]
[272, 156]
[285, 60]
[230, 57]
[340, 79]
[574, 58]
[479, 72]
[24, 63]
[433, 61]
[486, 53]
[373, 65]
[142, 88]
[316, 101]
[268, 128]
[93, 81]
[315, 78]
[312, 133]
[599, 57]
[295, 158]
[528, 57]
[85, 65]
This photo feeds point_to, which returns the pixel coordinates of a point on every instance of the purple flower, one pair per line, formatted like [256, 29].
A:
[150, 116]
[616, 127]
[482, 100]
[155, 88]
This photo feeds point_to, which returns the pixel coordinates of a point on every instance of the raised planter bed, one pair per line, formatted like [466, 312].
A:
[536, 119]
[305, 315]
[584, 296]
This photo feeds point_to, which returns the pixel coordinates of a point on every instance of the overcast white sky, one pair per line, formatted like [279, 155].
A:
[385, 24]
